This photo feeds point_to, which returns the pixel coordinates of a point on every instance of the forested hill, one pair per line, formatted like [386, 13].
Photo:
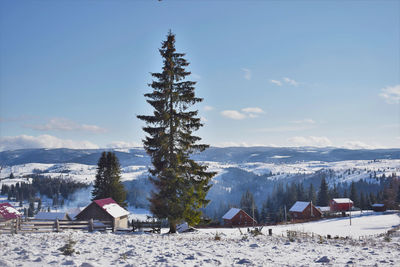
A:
[137, 156]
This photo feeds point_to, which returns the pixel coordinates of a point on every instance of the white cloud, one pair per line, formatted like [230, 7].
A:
[41, 141]
[123, 144]
[208, 108]
[276, 82]
[247, 73]
[285, 129]
[304, 121]
[315, 141]
[290, 81]
[358, 145]
[233, 114]
[238, 144]
[66, 125]
[253, 110]
[250, 112]
[391, 94]
[203, 119]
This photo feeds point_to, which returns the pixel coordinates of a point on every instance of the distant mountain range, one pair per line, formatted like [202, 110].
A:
[137, 156]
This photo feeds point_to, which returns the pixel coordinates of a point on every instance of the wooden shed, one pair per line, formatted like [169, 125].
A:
[8, 212]
[105, 210]
[341, 204]
[304, 210]
[378, 207]
[238, 217]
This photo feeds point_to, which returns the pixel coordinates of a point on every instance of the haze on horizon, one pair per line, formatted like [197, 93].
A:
[73, 74]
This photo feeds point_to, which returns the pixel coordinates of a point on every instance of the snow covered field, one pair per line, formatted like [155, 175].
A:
[201, 249]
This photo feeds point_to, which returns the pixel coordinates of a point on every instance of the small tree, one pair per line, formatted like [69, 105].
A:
[354, 194]
[248, 205]
[323, 198]
[108, 179]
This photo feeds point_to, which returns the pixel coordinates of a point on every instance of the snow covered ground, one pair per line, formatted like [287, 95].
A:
[202, 249]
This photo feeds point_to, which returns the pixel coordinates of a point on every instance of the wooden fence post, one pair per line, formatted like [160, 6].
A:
[57, 225]
[113, 225]
[91, 225]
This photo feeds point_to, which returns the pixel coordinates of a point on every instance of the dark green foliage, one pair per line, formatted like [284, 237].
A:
[68, 248]
[181, 183]
[323, 197]
[354, 195]
[39, 205]
[108, 179]
[312, 195]
[31, 209]
[398, 195]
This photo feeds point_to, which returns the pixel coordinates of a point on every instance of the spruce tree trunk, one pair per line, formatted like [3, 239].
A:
[172, 227]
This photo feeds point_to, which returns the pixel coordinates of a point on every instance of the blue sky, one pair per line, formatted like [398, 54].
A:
[274, 73]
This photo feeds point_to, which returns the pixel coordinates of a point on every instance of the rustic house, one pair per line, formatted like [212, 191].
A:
[341, 204]
[238, 217]
[304, 210]
[105, 210]
[378, 207]
[52, 216]
[8, 212]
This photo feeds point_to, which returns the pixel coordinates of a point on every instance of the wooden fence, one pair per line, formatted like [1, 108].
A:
[38, 226]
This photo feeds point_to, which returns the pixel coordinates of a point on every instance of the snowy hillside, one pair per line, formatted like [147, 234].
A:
[202, 248]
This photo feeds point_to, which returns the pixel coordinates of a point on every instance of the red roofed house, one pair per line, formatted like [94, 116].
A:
[378, 207]
[105, 210]
[8, 212]
[304, 210]
[341, 204]
[238, 217]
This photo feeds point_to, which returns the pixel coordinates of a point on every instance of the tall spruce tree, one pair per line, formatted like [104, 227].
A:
[108, 179]
[248, 204]
[323, 197]
[354, 195]
[181, 183]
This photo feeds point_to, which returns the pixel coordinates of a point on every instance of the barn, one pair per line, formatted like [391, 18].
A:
[8, 212]
[304, 210]
[341, 204]
[238, 217]
[105, 210]
[378, 207]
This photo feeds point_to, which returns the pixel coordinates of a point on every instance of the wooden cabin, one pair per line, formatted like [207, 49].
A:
[378, 207]
[105, 210]
[304, 211]
[238, 217]
[341, 204]
[8, 212]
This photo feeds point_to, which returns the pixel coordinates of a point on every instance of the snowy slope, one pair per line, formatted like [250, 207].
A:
[201, 249]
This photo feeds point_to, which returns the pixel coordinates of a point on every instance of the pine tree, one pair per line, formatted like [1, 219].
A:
[181, 183]
[323, 198]
[398, 195]
[312, 195]
[354, 195]
[108, 179]
[247, 204]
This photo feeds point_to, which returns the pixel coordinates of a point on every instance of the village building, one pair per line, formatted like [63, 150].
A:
[238, 217]
[341, 204]
[325, 210]
[8, 212]
[105, 210]
[378, 207]
[52, 216]
[304, 211]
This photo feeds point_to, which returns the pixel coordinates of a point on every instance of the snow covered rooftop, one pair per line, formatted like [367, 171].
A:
[231, 213]
[378, 205]
[342, 200]
[111, 207]
[8, 212]
[52, 216]
[299, 206]
[324, 208]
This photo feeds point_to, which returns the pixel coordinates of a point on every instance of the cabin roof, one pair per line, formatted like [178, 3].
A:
[378, 205]
[231, 213]
[342, 200]
[111, 207]
[299, 206]
[8, 212]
